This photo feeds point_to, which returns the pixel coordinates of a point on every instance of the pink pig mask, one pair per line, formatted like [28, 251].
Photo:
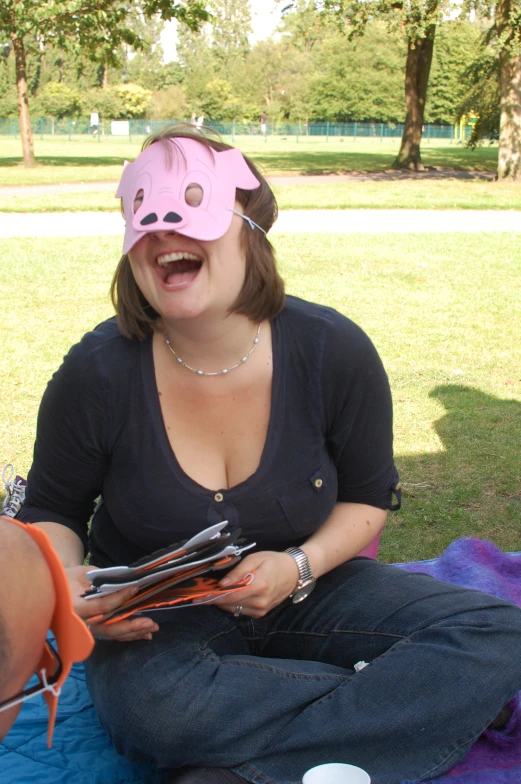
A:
[164, 207]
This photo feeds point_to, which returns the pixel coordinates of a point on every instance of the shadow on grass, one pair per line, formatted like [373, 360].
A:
[304, 161]
[338, 162]
[66, 160]
[317, 162]
[459, 157]
[472, 488]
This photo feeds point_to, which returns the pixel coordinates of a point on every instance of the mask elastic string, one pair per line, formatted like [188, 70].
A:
[253, 225]
[49, 687]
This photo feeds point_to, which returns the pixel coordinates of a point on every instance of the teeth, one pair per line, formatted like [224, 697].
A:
[168, 257]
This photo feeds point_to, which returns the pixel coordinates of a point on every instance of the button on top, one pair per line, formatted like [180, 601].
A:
[218, 497]
[318, 483]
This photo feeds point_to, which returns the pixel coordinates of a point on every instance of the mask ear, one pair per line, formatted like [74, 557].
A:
[232, 167]
[125, 180]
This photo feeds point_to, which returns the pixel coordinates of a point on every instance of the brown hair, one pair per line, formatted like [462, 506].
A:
[262, 294]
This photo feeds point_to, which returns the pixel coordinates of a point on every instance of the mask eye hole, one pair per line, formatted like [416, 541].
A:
[193, 195]
[138, 200]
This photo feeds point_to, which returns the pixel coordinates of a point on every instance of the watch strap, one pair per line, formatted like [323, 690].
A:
[304, 567]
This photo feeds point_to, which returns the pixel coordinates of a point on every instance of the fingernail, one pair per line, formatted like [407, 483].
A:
[225, 582]
[134, 590]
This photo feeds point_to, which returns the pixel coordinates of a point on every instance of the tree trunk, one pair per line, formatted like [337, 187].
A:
[417, 69]
[509, 159]
[26, 132]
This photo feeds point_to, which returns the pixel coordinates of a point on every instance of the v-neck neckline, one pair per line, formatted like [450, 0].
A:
[273, 432]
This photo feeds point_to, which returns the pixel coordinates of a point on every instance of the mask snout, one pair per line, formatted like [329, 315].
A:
[172, 217]
[160, 214]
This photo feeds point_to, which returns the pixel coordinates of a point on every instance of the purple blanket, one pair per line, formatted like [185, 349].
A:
[477, 564]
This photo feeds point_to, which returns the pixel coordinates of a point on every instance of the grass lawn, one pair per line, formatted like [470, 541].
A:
[77, 160]
[443, 312]
[405, 194]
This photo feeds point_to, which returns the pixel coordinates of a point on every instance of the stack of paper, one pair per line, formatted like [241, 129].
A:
[173, 577]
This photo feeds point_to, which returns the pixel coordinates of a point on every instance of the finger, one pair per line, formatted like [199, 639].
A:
[133, 627]
[236, 574]
[125, 637]
[232, 609]
[128, 637]
[231, 603]
[105, 604]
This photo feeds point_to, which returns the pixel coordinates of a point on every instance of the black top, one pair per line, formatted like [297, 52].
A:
[101, 432]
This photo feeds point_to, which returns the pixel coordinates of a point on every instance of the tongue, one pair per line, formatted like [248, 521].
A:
[182, 272]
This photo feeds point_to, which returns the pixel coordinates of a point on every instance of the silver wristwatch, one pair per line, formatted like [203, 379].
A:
[306, 581]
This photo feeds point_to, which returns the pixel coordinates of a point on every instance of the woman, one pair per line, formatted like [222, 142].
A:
[213, 397]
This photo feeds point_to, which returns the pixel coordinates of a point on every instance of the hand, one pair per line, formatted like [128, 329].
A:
[275, 578]
[124, 631]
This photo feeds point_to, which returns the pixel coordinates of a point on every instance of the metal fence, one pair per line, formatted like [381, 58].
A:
[126, 129]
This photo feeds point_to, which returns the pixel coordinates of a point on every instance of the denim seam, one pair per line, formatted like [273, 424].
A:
[271, 668]
[333, 631]
[257, 773]
[402, 641]
[205, 643]
[443, 763]
[460, 745]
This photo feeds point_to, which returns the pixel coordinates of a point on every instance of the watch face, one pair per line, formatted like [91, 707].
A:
[302, 593]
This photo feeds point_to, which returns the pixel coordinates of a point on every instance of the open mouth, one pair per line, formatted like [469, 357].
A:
[179, 268]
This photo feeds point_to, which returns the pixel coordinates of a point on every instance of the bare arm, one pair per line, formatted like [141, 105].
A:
[349, 528]
[67, 544]
[69, 548]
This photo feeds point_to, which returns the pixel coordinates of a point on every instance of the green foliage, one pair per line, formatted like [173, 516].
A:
[482, 96]
[169, 104]
[58, 101]
[231, 26]
[411, 19]
[106, 102]
[9, 103]
[217, 101]
[359, 80]
[312, 71]
[95, 30]
[171, 73]
[194, 52]
[134, 101]
[8, 98]
[146, 69]
[454, 50]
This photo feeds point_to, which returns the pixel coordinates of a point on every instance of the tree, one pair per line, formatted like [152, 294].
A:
[84, 24]
[58, 101]
[106, 102]
[481, 96]
[454, 51]
[359, 79]
[134, 100]
[493, 91]
[231, 26]
[508, 29]
[416, 21]
[169, 103]
[195, 57]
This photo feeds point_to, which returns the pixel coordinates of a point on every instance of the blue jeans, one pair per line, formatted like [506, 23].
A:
[273, 697]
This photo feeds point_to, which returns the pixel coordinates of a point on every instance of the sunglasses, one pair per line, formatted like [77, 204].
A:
[48, 672]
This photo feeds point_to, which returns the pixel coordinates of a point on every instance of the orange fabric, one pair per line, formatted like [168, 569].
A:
[73, 639]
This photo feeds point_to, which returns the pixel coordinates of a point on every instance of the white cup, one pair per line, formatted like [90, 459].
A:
[336, 773]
